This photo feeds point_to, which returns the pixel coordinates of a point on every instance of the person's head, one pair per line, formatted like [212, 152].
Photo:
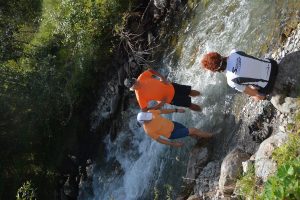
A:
[213, 61]
[143, 117]
[130, 83]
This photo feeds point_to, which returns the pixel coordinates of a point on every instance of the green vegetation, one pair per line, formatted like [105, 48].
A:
[26, 192]
[52, 55]
[285, 184]
[247, 185]
[167, 193]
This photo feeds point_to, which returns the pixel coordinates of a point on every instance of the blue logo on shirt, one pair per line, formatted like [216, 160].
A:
[237, 65]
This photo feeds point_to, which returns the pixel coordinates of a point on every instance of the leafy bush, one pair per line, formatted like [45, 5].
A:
[285, 184]
[289, 151]
[26, 192]
[52, 53]
[247, 185]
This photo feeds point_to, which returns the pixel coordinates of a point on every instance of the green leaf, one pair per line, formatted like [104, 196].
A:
[291, 170]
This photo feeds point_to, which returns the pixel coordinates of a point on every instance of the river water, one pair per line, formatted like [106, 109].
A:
[137, 167]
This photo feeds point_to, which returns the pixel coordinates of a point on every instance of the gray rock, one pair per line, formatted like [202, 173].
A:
[114, 104]
[264, 165]
[207, 181]
[70, 187]
[230, 169]
[287, 85]
[247, 165]
[285, 104]
[197, 159]
[194, 197]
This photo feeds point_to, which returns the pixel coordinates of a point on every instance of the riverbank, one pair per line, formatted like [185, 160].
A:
[215, 178]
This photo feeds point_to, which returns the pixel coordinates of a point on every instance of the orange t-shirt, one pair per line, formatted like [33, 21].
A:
[158, 126]
[152, 89]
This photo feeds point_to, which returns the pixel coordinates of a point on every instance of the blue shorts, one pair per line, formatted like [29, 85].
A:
[179, 131]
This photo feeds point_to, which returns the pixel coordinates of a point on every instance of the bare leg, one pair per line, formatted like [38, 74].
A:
[195, 107]
[196, 132]
[194, 93]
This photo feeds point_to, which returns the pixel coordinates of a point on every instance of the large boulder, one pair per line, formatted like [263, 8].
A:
[230, 169]
[287, 85]
[207, 181]
[197, 159]
[264, 165]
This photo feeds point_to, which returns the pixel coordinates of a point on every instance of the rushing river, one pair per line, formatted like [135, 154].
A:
[137, 167]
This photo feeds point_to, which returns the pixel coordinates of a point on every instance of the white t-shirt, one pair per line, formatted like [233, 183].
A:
[243, 70]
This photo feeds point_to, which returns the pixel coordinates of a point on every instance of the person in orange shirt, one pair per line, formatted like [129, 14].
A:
[162, 129]
[151, 85]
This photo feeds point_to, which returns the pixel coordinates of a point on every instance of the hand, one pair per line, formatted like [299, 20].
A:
[180, 110]
[165, 81]
[177, 144]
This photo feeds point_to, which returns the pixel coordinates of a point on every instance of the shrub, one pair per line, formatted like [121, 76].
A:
[247, 185]
[288, 151]
[26, 192]
[285, 184]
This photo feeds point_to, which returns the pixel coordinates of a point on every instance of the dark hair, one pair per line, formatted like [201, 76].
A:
[213, 61]
[129, 82]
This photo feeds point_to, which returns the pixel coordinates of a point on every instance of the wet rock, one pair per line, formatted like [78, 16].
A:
[260, 128]
[86, 181]
[114, 104]
[264, 165]
[230, 170]
[113, 129]
[197, 159]
[70, 187]
[121, 76]
[208, 180]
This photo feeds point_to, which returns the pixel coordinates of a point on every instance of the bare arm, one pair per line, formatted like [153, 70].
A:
[174, 144]
[167, 111]
[254, 93]
[162, 78]
[157, 106]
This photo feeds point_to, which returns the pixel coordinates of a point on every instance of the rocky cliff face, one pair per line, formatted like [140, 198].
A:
[258, 121]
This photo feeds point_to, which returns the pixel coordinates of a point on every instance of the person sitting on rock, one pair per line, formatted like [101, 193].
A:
[245, 73]
[152, 86]
[163, 130]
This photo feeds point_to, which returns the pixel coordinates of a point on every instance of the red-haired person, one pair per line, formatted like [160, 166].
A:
[152, 86]
[245, 73]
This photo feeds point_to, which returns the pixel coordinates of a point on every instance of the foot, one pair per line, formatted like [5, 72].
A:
[195, 107]
[194, 93]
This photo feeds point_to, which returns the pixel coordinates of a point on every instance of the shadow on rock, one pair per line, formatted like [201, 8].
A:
[287, 85]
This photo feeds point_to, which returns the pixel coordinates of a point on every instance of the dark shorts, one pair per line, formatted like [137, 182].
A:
[179, 131]
[274, 71]
[181, 96]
